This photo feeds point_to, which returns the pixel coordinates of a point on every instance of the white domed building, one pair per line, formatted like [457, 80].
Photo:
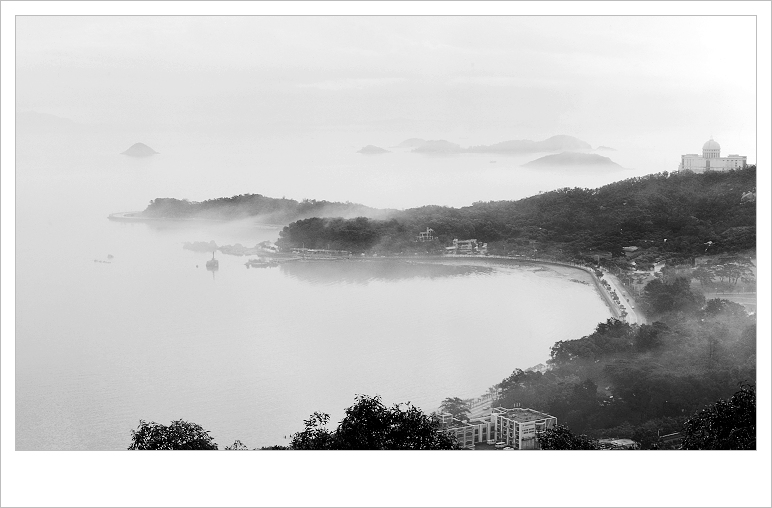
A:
[711, 159]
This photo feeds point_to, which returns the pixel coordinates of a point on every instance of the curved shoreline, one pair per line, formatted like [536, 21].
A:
[615, 309]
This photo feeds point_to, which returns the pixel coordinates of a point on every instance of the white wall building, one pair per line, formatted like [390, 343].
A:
[711, 159]
[516, 427]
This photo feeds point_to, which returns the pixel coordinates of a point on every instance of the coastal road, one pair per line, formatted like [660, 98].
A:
[633, 315]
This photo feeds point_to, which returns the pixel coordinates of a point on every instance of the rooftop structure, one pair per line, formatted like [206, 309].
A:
[618, 444]
[521, 414]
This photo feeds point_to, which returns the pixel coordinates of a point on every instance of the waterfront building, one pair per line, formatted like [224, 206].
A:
[321, 253]
[466, 247]
[711, 159]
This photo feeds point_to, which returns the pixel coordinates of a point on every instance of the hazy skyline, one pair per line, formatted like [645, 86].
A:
[663, 82]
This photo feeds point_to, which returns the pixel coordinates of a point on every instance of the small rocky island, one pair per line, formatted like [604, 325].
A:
[139, 150]
[372, 149]
[574, 159]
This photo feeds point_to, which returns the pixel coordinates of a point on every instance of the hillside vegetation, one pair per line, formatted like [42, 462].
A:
[256, 206]
[633, 381]
[678, 214]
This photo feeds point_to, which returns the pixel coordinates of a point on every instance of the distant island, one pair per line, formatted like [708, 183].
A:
[574, 159]
[139, 150]
[372, 149]
[606, 149]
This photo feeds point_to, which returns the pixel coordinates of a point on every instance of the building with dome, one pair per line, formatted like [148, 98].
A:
[711, 159]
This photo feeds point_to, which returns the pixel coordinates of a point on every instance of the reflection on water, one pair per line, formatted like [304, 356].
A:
[364, 271]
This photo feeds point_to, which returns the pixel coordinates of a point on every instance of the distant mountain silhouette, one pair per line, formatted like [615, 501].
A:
[139, 150]
[372, 149]
[553, 144]
[412, 143]
[438, 146]
[606, 148]
[569, 159]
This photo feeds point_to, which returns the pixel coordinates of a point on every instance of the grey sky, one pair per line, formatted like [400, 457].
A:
[484, 79]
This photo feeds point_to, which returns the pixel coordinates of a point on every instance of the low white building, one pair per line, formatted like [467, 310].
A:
[515, 427]
[711, 159]
[520, 427]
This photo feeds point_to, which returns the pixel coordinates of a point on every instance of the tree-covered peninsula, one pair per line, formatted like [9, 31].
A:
[257, 207]
[660, 215]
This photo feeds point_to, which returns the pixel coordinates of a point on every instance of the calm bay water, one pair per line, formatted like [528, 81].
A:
[250, 353]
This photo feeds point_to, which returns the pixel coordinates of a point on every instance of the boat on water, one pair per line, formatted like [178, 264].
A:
[212, 264]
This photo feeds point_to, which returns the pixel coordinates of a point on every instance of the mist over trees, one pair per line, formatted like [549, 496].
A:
[269, 210]
[637, 381]
[675, 215]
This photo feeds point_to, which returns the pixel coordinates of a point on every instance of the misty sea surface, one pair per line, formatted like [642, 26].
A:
[250, 353]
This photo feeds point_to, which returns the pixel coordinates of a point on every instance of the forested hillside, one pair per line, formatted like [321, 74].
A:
[682, 214]
[256, 206]
[633, 381]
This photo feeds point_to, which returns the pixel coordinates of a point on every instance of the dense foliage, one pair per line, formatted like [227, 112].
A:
[635, 381]
[269, 210]
[660, 297]
[561, 438]
[370, 425]
[726, 425]
[677, 215]
[179, 435]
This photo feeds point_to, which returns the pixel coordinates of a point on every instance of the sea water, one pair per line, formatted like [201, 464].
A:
[117, 323]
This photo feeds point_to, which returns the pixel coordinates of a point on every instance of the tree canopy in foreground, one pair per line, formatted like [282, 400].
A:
[726, 425]
[179, 435]
[370, 425]
[561, 438]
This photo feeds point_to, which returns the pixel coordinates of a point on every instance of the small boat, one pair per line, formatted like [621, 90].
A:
[212, 264]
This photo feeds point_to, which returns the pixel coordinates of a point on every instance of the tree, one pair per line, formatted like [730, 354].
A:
[237, 446]
[370, 425]
[560, 437]
[179, 435]
[703, 274]
[315, 436]
[660, 298]
[456, 407]
[726, 425]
